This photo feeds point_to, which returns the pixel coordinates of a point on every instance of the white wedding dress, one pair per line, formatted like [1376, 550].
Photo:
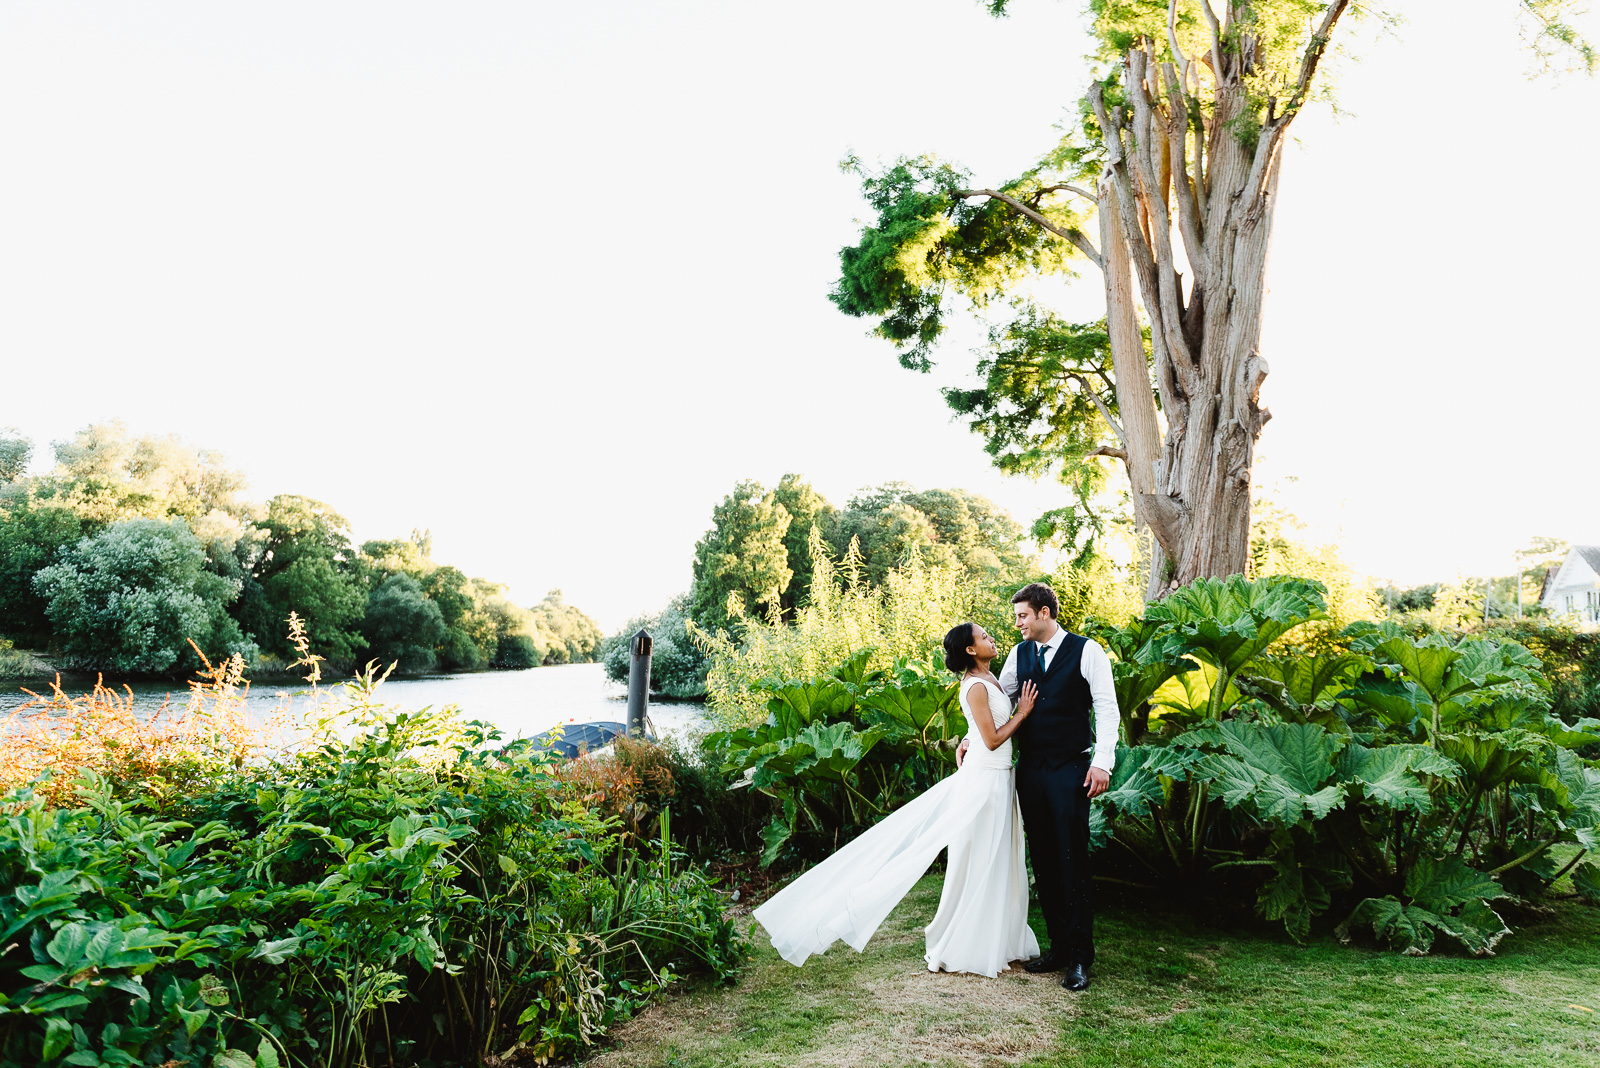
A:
[982, 922]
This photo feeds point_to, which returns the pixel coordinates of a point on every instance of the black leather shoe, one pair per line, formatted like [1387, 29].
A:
[1077, 977]
[1047, 963]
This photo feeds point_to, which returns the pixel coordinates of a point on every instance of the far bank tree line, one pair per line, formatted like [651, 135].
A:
[133, 546]
[755, 563]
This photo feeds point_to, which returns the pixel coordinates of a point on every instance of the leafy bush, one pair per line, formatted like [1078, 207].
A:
[1413, 781]
[677, 665]
[400, 891]
[125, 599]
[840, 751]
[1427, 777]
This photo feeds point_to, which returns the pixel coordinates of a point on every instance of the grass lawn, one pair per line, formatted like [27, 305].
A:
[1168, 991]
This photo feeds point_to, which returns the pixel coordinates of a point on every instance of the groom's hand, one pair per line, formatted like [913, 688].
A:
[1098, 781]
[961, 752]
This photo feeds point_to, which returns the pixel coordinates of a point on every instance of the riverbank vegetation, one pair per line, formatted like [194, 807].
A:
[400, 887]
[132, 547]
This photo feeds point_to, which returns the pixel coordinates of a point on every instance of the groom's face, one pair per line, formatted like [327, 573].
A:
[1033, 625]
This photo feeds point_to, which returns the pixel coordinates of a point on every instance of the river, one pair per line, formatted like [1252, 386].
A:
[520, 703]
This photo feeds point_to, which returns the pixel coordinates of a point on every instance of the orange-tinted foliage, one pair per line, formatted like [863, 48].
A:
[53, 737]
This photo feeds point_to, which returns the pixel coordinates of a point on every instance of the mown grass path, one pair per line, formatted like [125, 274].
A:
[1167, 992]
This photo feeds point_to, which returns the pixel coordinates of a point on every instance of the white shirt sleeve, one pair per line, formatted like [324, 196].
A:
[1096, 669]
[1008, 674]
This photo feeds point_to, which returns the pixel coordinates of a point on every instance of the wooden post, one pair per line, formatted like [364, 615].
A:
[638, 682]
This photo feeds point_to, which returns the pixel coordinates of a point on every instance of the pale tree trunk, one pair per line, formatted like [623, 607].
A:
[1172, 166]
[1140, 429]
[1168, 169]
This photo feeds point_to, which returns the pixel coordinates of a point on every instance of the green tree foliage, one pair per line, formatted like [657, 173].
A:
[678, 665]
[32, 533]
[15, 453]
[807, 508]
[741, 565]
[572, 637]
[294, 554]
[760, 542]
[947, 528]
[1042, 408]
[403, 625]
[306, 566]
[106, 473]
[129, 598]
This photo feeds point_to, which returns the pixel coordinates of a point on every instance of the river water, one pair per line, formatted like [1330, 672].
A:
[520, 703]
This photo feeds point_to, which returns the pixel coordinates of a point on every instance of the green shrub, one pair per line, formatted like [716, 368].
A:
[677, 665]
[1408, 780]
[402, 890]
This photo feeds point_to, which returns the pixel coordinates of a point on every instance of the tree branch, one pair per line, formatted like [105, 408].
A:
[1315, 49]
[1106, 450]
[1189, 223]
[1165, 304]
[1172, 33]
[1075, 236]
[1216, 40]
[1104, 410]
[1069, 187]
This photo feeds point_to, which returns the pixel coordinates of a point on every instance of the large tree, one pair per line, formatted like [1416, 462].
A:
[1174, 164]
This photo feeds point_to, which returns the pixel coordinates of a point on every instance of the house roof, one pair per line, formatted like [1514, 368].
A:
[1591, 556]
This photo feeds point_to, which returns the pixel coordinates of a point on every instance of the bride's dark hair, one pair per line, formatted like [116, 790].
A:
[956, 657]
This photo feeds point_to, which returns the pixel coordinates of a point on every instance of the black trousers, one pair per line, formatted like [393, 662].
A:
[1055, 815]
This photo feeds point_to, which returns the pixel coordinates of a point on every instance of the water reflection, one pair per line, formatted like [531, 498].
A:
[520, 703]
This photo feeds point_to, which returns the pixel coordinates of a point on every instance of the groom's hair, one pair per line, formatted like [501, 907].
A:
[956, 657]
[1039, 597]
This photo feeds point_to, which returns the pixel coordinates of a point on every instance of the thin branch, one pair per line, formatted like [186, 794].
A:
[1068, 186]
[1107, 450]
[1075, 236]
[1216, 39]
[1083, 384]
[1172, 32]
[1315, 50]
[1189, 222]
[1165, 304]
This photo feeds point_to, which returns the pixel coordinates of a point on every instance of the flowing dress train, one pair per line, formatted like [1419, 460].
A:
[982, 922]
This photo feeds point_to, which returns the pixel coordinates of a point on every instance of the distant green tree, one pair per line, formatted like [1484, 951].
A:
[106, 473]
[946, 528]
[129, 598]
[572, 637]
[306, 566]
[403, 626]
[678, 666]
[741, 565]
[407, 556]
[15, 452]
[32, 533]
[807, 508]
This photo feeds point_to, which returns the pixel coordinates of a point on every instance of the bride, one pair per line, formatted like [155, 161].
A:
[982, 922]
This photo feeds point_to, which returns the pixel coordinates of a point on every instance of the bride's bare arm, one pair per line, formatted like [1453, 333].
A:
[994, 737]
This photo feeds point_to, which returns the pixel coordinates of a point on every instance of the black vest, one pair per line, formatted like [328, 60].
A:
[1059, 726]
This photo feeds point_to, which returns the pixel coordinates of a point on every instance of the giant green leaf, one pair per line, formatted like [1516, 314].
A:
[1488, 760]
[1390, 775]
[1282, 771]
[1442, 885]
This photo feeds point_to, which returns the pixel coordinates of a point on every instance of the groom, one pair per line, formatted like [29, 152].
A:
[1064, 760]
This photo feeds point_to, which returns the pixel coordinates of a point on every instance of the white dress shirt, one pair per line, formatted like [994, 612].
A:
[1096, 669]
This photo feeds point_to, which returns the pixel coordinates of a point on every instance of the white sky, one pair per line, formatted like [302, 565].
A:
[549, 279]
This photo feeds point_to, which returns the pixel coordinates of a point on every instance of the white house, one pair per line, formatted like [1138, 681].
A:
[1574, 587]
